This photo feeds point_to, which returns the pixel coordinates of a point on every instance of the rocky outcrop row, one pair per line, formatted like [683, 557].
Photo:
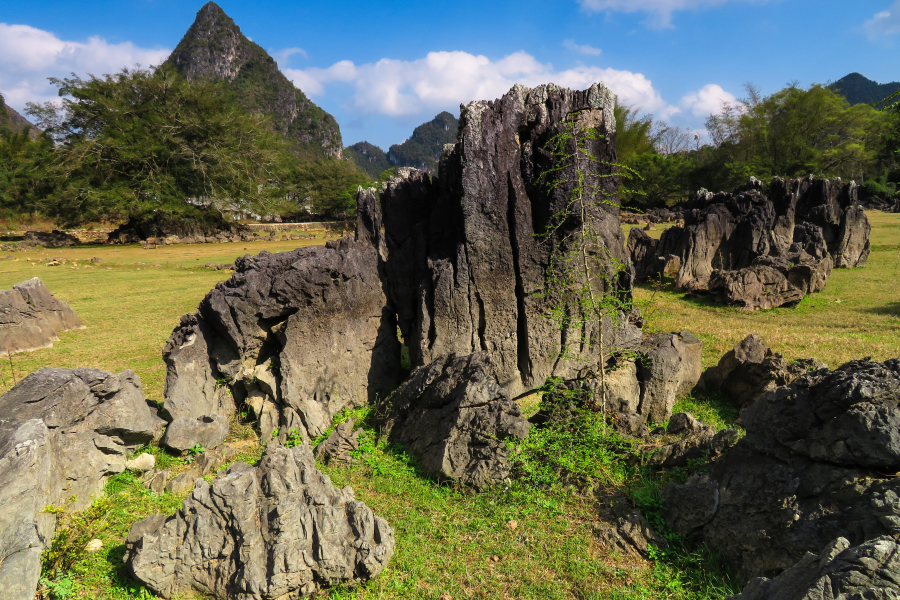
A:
[62, 433]
[817, 464]
[453, 262]
[760, 250]
[31, 317]
[275, 530]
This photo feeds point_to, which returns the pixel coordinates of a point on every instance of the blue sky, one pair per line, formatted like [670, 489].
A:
[383, 68]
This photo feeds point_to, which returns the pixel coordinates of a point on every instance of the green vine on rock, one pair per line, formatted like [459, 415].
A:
[583, 278]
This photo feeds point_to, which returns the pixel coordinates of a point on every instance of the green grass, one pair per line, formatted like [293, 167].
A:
[447, 536]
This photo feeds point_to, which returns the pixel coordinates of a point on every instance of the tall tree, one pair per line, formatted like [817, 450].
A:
[148, 142]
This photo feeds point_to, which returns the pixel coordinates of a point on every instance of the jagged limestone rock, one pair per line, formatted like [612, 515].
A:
[811, 468]
[30, 317]
[276, 530]
[63, 432]
[454, 417]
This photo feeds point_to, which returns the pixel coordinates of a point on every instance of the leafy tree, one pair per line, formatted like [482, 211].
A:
[325, 187]
[148, 142]
[634, 135]
[796, 132]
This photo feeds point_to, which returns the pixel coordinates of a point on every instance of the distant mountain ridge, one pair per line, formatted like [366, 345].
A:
[858, 89]
[422, 150]
[14, 122]
[369, 158]
[214, 48]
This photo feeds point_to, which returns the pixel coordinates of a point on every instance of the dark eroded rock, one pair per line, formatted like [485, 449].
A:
[670, 367]
[338, 446]
[453, 416]
[751, 368]
[815, 465]
[839, 572]
[622, 526]
[277, 530]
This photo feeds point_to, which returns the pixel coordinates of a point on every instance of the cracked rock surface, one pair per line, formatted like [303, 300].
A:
[839, 572]
[453, 416]
[815, 465]
[276, 530]
[62, 433]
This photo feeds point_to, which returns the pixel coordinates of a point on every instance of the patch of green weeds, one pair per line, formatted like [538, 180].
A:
[713, 408]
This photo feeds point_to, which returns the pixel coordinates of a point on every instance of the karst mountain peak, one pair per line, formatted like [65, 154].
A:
[215, 48]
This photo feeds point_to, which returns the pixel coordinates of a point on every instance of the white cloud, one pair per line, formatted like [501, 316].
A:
[660, 11]
[707, 101]
[582, 48]
[887, 22]
[441, 80]
[282, 56]
[29, 55]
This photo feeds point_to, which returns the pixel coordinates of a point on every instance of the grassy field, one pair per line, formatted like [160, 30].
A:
[515, 541]
[130, 303]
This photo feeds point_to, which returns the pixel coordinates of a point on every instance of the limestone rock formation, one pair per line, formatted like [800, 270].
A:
[622, 526]
[296, 336]
[751, 368]
[815, 465]
[670, 367]
[454, 417]
[276, 530]
[214, 48]
[839, 572]
[458, 268]
[63, 432]
[472, 265]
[30, 317]
[338, 446]
[761, 250]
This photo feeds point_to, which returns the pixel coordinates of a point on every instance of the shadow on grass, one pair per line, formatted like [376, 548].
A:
[891, 309]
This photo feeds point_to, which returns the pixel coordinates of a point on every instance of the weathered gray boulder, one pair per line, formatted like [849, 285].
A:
[670, 367]
[276, 530]
[622, 526]
[641, 249]
[751, 368]
[63, 432]
[815, 465]
[454, 417]
[31, 317]
[839, 572]
[704, 444]
[296, 336]
[761, 250]
[726, 235]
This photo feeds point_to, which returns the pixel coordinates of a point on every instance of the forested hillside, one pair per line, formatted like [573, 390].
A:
[858, 89]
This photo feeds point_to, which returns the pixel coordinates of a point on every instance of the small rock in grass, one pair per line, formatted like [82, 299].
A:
[142, 463]
[182, 483]
[512, 524]
[93, 546]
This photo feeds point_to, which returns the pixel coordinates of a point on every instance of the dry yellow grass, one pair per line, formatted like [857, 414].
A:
[129, 305]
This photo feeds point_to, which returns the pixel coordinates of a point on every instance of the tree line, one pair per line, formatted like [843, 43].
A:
[147, 143]
[791, 133]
